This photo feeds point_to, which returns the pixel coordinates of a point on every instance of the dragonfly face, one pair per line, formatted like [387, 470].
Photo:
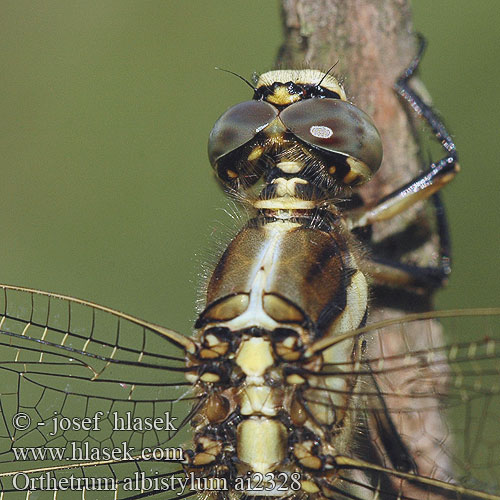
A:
[292, 394]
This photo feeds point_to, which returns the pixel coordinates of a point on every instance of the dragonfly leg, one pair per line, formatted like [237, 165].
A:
[434, 177]
[425, 185]
[392, 272]
[395, 273]
[420, 188]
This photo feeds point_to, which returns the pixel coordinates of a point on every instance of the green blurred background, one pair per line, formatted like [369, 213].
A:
[106, 192]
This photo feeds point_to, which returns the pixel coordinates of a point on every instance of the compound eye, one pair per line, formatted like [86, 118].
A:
[337, 127]
[237, 126]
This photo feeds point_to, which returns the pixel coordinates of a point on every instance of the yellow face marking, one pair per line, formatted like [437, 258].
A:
[256, 153]
[282, 96]
[232, 174]
[332, 169]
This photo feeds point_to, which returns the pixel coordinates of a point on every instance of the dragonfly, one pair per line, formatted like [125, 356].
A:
[285, 387]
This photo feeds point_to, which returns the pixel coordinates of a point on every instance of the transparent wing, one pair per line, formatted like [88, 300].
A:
[86, 392]
[427, 411]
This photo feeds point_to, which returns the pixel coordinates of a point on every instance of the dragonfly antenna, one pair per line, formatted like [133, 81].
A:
[238, 76]
[326, 74]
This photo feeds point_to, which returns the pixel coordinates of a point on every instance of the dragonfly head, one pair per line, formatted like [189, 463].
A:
[299, 126]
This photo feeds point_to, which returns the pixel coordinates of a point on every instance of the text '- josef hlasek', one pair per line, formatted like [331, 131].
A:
[119, 422]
